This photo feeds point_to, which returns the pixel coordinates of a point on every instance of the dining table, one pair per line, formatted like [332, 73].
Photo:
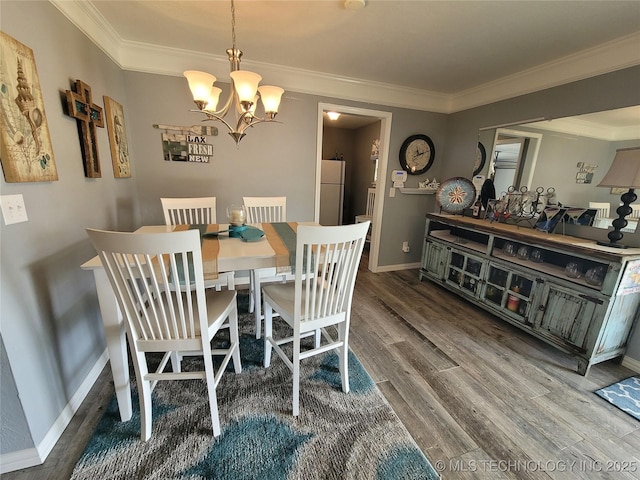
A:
[221, 252]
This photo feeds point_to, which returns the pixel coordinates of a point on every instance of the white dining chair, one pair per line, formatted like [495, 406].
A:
[261, 210]
[326, 265]
[184, 318]
[635, 211]
[368, 215]
[602, 209]
[196, 211]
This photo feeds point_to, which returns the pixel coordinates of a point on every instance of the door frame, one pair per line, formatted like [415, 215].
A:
[383, 159]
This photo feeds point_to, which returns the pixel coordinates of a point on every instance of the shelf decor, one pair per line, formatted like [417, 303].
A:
[456, 194]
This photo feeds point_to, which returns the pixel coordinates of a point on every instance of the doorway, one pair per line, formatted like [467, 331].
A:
[385, 134]
[513, 159]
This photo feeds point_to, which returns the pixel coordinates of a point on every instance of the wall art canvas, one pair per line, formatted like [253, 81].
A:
[26, 153]
[88, 116]
[117, 138]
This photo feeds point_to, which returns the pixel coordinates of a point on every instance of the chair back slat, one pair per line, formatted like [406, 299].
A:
[602, 209]
[139, 268]
[371, 199]
[326, 274]
[189, 211]
[265, 209]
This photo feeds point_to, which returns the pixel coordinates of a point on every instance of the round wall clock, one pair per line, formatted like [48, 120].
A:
[481, 158]
[417, 154]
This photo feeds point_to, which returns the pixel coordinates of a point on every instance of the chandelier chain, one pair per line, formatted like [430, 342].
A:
[233, 25]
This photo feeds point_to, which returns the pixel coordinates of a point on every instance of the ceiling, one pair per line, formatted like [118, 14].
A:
[435, 55]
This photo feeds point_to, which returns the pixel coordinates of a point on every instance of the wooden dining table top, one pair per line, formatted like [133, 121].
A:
[233, 253]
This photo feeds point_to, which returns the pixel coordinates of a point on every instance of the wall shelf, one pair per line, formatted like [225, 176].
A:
[418, 191]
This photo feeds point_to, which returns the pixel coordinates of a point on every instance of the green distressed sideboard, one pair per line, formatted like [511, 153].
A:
[585, 317]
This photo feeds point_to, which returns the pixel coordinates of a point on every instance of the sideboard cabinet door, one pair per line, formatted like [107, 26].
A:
[434, 259]
[567, 314]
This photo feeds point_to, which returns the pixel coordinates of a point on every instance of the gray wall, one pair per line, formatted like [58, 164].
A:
[51, 326]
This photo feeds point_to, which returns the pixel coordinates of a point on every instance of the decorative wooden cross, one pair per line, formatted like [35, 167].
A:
[89, 116]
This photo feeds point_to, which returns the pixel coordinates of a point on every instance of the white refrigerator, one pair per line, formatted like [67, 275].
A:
[331, 192]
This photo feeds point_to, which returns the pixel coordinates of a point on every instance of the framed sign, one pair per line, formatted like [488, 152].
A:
[25, 150]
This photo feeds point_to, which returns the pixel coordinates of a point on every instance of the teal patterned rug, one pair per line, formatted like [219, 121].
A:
[625, 395]
[337, 435]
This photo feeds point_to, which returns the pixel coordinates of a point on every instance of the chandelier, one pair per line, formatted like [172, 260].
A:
[242, 97]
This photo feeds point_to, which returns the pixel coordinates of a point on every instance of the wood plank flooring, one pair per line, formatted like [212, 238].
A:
[481, 398]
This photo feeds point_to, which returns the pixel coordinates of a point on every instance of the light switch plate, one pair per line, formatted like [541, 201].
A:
[13, 209]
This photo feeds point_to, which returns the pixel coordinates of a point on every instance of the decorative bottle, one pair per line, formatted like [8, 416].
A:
[513, 301]
[477, 209]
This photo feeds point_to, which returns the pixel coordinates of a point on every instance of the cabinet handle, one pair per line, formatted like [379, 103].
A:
[592, 299]
[542, 308]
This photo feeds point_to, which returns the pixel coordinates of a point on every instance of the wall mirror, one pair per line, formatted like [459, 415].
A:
[560, 153]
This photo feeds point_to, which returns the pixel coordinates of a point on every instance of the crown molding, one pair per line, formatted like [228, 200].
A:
[621, 53]
[582, 128]
[141, 57]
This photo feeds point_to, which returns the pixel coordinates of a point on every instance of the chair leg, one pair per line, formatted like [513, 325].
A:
[296, 375]
[343, 353]
[211, 390]
[144, 395]
[176, 359]
[268, 332]
[235, 338]
[258, 302]
[252, 287]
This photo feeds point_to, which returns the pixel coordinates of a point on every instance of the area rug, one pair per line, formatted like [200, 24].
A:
[336, 436]
[625, 395]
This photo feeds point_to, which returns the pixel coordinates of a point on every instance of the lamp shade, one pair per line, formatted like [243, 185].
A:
[624, 170]
[212, 103]
[246, 84]
[200, 84]
[270, 98]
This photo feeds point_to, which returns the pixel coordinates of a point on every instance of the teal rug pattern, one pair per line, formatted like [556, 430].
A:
[336, 436]
[625, 395]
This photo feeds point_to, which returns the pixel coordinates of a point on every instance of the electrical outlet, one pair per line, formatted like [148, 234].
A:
[13, 209]
[392, 192]
[405, 247]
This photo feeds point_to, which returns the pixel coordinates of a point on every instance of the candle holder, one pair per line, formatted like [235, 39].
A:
[237, 217]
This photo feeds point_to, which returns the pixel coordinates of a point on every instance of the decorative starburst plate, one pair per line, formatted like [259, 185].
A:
[456, 194]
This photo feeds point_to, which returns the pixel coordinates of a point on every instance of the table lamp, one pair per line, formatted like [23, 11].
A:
[623, 173]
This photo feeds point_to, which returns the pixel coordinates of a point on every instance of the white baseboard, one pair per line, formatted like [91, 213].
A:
[10, 462]
[400, 266]
[631, 363]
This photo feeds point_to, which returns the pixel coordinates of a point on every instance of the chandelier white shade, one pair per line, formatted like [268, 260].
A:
[243, 98]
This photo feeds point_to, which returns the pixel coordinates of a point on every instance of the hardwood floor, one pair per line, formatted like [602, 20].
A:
[481, 398]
